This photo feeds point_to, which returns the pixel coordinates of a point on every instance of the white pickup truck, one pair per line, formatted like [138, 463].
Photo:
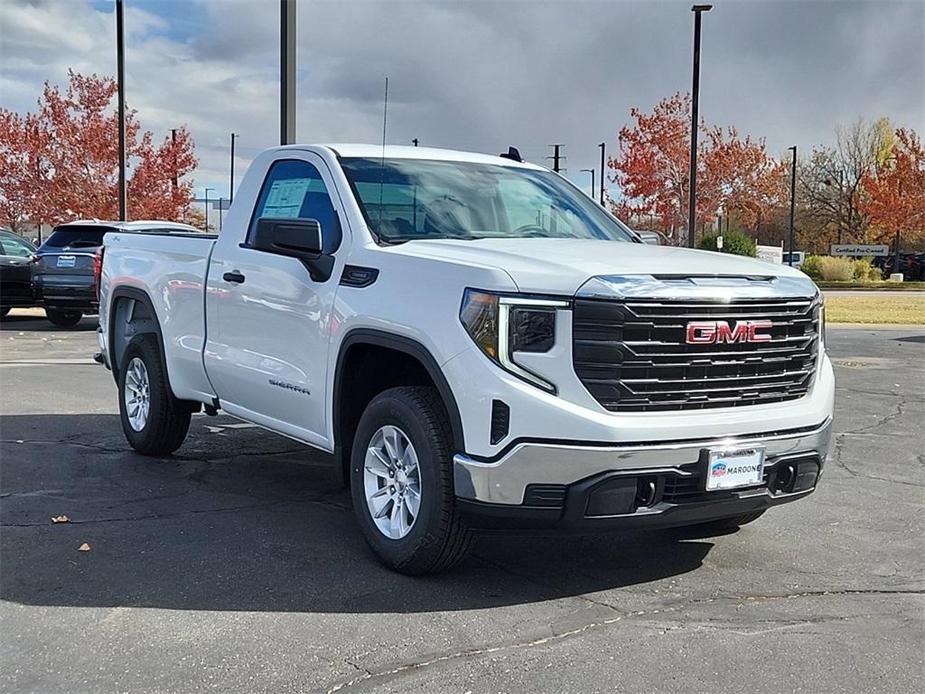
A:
[478, 344]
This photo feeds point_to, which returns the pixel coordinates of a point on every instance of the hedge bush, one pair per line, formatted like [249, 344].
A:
[836, 269]
[812, 266]
[865, 272]
[734, 242]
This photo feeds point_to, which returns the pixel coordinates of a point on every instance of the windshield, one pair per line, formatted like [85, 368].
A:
[77, 236]
[406, 199]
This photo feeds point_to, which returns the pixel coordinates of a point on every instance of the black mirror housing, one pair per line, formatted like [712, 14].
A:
[296, 238]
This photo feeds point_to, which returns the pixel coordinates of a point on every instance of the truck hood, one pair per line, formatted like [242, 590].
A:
[562, 266]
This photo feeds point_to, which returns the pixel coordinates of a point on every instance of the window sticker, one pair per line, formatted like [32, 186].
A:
[286, 196]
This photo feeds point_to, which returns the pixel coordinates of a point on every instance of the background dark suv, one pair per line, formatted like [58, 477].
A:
[67, 269]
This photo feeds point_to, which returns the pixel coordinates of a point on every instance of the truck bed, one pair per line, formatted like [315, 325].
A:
[171, 269]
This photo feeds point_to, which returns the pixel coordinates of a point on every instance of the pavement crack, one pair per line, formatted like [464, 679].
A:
[417, 665]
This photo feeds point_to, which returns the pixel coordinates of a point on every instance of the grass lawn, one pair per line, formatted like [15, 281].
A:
[875, 309]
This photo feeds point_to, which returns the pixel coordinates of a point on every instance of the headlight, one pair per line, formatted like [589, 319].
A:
[503, 325]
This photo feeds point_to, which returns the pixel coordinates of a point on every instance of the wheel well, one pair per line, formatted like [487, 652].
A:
[130, 316]
[365, 370]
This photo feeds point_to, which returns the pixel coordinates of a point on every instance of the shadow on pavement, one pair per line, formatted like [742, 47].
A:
[241, 519]
[34, 320]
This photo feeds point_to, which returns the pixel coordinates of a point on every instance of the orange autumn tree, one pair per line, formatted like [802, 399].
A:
[894, 192]
[62, 162]
[734, 173]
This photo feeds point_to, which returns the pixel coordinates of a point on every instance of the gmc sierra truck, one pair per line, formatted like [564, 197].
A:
[478, 344]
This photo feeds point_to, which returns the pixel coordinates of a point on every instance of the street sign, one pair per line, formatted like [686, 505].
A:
[770, 254]
[859, 250]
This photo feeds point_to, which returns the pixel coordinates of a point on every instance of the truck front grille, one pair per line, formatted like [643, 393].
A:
[633, 355]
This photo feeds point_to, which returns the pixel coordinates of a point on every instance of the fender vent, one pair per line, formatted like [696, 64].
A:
[500, 421]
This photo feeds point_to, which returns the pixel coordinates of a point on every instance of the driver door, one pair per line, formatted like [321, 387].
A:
[268, 321]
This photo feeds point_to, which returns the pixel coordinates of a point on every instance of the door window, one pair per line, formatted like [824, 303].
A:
[15, 248]
[294, 188]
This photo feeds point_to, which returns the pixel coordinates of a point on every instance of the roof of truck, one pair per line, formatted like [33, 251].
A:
[407, 152]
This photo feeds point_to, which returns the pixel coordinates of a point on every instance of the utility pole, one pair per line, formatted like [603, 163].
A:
[120, 80]
[896, 249]
[173, 141]
[231, 183]
[207, 208]
[221, 215]
[793, 196]
[593, 188]
[698, 10]
[287, 72]
[556, 158]
[603, 146]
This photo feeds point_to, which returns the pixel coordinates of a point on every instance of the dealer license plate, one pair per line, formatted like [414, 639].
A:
[731, 468]
[67, 260]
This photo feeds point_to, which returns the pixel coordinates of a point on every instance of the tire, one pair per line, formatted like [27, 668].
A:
[437, 537]
[165, 421]
[63, 318]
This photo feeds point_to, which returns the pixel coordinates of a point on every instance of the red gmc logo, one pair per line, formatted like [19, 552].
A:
[707, 332]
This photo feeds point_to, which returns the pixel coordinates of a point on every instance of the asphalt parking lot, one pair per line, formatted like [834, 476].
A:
[236, 566]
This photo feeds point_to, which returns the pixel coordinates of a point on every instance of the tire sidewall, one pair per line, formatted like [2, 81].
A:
[145, 348]
[63, 318]
[390, 408]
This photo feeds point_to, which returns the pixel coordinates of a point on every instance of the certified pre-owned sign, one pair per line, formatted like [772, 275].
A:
[859, 250]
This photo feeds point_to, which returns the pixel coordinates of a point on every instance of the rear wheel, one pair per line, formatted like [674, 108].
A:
[63, 318]
[402, 485]
[153, 420]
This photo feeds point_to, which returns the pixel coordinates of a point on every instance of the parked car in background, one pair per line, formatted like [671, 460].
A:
[653, 238]
[16, 255]
[67, 268]
[911, 265]
[798, 258]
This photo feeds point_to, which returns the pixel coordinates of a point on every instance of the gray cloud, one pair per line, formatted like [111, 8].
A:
[483, 75]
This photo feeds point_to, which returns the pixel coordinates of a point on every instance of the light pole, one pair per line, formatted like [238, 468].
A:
[593, 187]
[287, 72]
[231, 183]
[793, 198]
[120, 81]
[173, 142]
[207, 208]
[698, 10]
[603, 146]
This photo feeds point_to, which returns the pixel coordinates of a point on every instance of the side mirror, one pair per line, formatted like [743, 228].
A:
[298, 238]
[295, 238]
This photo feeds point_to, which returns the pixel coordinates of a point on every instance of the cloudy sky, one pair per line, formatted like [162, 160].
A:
[477, 75]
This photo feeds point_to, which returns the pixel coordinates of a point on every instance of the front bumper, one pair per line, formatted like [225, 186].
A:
[582, 485]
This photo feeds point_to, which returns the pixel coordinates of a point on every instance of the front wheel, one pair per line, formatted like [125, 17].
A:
[401, 481]
[153, 420]
[62, 318]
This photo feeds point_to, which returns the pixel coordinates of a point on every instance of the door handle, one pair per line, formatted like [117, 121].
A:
[233, 276]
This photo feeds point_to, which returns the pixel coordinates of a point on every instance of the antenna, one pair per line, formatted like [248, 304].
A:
[385, 120]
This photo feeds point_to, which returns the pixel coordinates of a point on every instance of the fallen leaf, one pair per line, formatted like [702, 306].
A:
[84, 548]
[60, 519]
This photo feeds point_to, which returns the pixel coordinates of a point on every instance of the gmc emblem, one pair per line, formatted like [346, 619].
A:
[707, 332]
